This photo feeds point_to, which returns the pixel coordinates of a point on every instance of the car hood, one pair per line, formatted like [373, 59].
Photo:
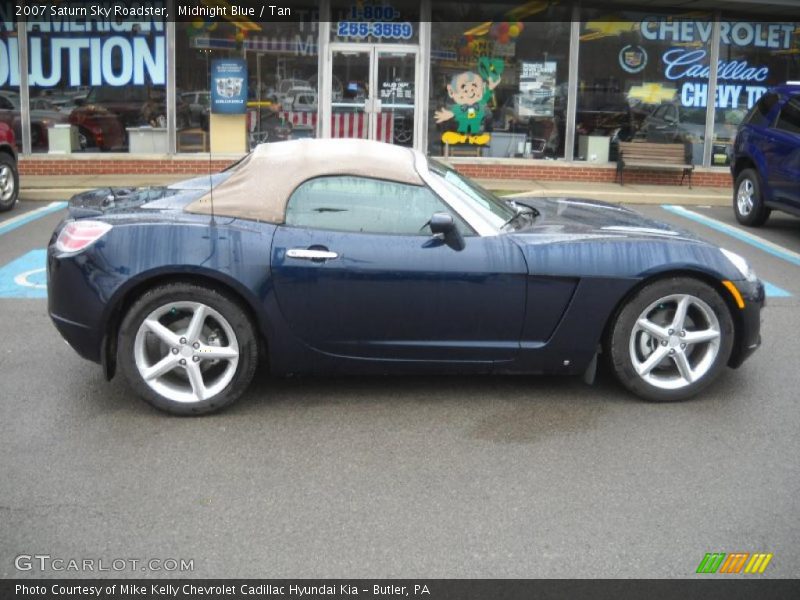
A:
[175, 196]
[576, 238]
[574, 218]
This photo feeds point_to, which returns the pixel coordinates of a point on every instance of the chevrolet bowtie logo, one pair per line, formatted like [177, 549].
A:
[720, 562]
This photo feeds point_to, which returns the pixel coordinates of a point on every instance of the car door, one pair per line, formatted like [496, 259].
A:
[783, 154]
[357, 274]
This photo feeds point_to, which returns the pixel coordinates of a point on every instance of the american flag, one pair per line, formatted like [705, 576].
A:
[346, 125]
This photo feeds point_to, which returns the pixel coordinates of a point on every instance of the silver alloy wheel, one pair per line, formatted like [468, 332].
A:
[744, 197]
[675, 341]
[6, 183]
[186, 351]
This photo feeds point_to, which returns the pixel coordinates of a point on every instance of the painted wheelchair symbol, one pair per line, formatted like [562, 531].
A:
[34, 278]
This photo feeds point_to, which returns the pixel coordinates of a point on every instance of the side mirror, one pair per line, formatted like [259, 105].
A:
[444, 227]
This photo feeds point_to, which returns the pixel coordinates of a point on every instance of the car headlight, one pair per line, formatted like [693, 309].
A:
[741, 265]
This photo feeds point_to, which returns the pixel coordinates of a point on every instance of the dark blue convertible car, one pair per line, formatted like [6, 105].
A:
[321, 256]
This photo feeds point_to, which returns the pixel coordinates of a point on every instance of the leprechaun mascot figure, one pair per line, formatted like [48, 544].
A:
[471, 93]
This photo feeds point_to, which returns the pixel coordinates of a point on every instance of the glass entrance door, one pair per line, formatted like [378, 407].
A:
[350, 102]
[372, 93]
[395, 86]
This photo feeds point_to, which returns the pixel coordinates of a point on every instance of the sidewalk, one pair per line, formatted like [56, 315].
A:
[613, 192]
[48, 188]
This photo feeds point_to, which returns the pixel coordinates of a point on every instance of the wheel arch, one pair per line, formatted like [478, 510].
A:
[126, 297]
[8, 149]
[742, 163]
[758, 163]
[704, 277]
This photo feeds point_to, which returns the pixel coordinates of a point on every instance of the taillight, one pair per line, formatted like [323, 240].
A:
[77, 235]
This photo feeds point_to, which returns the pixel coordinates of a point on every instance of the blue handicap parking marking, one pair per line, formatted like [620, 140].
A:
[25, 277]
[773, 291]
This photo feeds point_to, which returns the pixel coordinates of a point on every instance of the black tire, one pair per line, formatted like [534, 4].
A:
[759, 212]
[9, 181]
[619, 344]
[228, 308]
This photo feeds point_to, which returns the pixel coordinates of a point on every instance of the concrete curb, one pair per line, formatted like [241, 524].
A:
[48, 195]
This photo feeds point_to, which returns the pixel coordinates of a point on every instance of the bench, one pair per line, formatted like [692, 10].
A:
[644, 155]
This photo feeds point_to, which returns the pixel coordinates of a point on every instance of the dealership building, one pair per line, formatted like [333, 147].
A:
[533, 89]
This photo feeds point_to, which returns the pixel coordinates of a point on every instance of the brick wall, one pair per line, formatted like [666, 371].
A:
[552, 171]
[473, 167]
[86, 166]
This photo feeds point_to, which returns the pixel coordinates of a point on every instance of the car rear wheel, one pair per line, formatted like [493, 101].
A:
[9, 182]
[187, 349]
[748, 201]
[671, 340]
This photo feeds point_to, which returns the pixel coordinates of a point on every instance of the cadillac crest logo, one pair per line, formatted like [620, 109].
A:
[633, 58]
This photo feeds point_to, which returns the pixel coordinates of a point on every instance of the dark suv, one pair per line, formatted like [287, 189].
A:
[766, 157]
[9, 177]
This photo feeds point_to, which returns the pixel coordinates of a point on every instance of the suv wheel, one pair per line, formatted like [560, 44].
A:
[9, 182]
[748, 201]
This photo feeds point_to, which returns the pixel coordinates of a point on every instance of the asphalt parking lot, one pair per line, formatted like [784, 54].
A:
[401, 477]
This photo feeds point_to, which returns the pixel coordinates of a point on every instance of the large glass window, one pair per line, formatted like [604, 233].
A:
[10, 123]
[752, 58]
[641, 79]
[498, 82]
[97, 84]
[281, 61]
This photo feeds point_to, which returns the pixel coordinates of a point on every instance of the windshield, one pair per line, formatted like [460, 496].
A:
[474, 192]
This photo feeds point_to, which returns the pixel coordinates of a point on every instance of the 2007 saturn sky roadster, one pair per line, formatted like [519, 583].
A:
[349, 256]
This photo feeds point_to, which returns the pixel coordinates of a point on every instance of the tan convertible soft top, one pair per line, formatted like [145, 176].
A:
[261, 185]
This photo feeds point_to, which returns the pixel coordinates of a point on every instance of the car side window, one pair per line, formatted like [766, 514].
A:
[758, 116]
[365, 205]
[789, 117]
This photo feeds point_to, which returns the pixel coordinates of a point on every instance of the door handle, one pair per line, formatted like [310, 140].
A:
[311, 254]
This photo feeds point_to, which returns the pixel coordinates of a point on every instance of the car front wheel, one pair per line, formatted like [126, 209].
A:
[671, 339]
[748, 200]
[187, 349]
